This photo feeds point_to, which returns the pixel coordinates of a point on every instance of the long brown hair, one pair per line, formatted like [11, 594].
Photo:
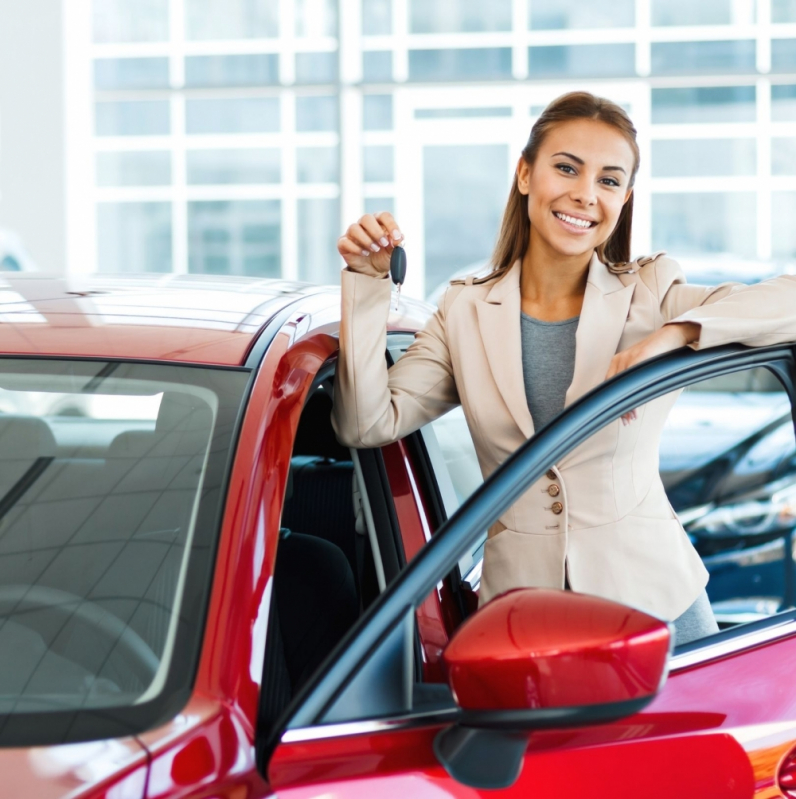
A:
[515, 230]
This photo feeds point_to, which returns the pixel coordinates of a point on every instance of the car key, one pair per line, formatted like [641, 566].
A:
[398, 268]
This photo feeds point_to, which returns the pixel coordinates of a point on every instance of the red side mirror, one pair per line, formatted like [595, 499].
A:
[535, 658]
[544, 656]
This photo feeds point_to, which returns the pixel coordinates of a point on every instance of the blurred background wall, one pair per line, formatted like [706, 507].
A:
[242, 136]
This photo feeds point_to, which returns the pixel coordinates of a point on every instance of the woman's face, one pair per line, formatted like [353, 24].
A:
[577, 186]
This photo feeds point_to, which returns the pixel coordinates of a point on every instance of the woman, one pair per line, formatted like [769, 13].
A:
[562, 311]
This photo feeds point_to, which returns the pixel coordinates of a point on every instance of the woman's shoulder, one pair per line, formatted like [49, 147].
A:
[656, 271]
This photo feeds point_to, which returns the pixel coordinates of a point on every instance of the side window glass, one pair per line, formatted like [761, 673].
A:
[454, 463]
[452, 455]
[728, 464]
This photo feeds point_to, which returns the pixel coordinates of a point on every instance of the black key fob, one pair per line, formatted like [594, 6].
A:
[398, 265]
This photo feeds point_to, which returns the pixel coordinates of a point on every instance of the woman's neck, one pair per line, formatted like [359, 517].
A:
[552, 285]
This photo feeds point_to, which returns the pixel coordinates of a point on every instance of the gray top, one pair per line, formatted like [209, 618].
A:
[548, 363]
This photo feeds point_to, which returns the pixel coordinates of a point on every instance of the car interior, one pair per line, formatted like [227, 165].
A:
[339, 547]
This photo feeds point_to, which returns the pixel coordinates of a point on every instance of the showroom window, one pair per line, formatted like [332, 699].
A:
[459, 16]
[575, 14]
[231, 19]
[702, 222]
[134, 237]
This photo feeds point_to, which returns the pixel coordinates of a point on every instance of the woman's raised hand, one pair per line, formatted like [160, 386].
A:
[367, 244]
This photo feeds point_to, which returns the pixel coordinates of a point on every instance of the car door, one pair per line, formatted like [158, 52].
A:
[722, 725]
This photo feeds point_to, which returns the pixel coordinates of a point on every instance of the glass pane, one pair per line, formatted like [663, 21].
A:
[705, 12]
[377, 112]
[131, 20]
[705, 222]
[472, 64]
[378, 164]
[555, 15]
[231, 70]
[316, 17]
[377, 66]
[217, 167]
[235, 237]
[681, 58]
[132, 118]
[783, 156]
[704, 157]
[318, 231]
[783, 55]
[150, 168]
[112, 491]
[584, 60]
[231, 19]
[233, 115]
[455, 465]
[459, 16]
[131, 73]
[704, 104]
[783, 10]
[375, 205]
[783, 242]
[783, 103]
[316, 67]
[728, 464]
[376, 17]
[463, 207]
[317, 165]
[316, 113]
[461, 113]
[134, 237]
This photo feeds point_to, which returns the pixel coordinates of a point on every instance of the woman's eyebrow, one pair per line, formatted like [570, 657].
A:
[582, 162]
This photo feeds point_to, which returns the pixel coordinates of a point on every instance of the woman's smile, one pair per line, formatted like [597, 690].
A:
[575, 223]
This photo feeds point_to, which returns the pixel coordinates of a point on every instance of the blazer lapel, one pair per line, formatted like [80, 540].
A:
[606, 304]
[499, 324]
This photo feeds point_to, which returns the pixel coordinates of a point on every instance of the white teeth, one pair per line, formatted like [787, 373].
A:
[573, 221]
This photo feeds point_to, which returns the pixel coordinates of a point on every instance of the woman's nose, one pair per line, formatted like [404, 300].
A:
[583, 192]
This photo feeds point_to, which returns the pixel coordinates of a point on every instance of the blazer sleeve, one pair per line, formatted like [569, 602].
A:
[757, 315]
[374, 406]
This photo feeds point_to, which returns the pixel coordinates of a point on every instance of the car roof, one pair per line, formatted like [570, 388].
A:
[182, 318]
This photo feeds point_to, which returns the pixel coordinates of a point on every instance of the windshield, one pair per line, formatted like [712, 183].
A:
[111, 492]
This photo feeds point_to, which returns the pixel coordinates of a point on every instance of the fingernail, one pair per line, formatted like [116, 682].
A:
[366, 253]
[383, 241]
[396, 234]
[374, 247]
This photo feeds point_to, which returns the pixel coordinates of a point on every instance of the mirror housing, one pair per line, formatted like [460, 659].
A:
[542, 657]
[534, 658]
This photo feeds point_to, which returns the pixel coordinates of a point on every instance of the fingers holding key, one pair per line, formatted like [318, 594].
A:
[367, 244]
[390, 227]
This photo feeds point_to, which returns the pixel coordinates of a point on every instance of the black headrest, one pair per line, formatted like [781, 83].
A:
[315, 435]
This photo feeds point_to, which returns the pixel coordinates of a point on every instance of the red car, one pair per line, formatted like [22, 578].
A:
[202, 594]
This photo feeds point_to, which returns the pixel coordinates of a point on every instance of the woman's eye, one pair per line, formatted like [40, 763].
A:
[568, 168]
[611, 182]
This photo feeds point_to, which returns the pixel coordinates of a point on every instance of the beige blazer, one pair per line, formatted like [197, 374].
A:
[615, 533]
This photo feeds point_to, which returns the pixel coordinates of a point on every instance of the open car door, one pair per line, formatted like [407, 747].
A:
[722, 725]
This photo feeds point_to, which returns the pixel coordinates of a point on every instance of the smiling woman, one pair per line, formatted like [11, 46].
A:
[563, 309]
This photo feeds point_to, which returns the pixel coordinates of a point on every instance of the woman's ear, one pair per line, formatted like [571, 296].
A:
[628, 195]
[523, 176]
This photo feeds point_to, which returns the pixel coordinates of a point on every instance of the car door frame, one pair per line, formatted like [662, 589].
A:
[307, 717]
